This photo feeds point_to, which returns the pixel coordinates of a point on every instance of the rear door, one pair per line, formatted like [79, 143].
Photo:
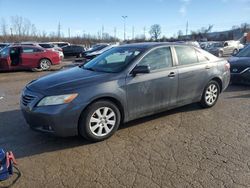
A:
[5, 59]
[30, 56]
[154, 91]
[193, 70]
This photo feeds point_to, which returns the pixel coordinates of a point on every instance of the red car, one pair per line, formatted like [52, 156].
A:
[27, 57]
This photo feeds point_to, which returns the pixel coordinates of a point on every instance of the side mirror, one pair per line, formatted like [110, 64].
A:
[142, 69]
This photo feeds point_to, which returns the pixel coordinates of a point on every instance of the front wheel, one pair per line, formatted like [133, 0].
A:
[210, 94]
[45, 64]
[99, 121]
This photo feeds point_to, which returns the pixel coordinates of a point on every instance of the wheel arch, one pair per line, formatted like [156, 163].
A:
[107, 98]
[219, 81]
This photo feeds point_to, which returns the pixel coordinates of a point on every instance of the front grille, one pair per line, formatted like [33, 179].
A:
[27, 99]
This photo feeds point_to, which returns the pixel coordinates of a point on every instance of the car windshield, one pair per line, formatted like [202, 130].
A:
[46, 45]
[114, 60]
[244, 52]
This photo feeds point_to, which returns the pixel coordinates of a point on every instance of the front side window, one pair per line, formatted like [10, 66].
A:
[158, 59]
[186, 55]
[4, 52]
[113, 60]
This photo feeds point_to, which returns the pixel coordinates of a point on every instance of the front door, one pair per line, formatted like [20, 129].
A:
[154, 91]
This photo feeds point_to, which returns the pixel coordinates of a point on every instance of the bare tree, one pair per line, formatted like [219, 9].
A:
[4, 27]
[16, 23]
[155, 31]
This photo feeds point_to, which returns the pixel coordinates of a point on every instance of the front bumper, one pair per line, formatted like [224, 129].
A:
[242, 77]
[60, 120]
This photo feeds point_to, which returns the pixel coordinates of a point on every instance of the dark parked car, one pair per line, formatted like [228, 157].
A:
[96, 53]
[240, 66]
[122, 84]
[94, 49]
[18, 57]
[73, 50]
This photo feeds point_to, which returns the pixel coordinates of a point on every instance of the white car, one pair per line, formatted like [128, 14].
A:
[47, 46]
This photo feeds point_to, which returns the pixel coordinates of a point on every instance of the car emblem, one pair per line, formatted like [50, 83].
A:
[235, 70]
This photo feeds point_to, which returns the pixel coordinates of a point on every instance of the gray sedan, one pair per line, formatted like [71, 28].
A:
[123, 84]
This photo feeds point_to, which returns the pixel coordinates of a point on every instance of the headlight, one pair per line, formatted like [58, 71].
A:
[57, 99]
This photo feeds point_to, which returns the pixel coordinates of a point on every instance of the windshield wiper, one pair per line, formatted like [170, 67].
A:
[88, 68]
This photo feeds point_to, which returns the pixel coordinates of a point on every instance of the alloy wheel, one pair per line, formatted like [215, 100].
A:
[211, 94]
[45, 64]
[102, 121]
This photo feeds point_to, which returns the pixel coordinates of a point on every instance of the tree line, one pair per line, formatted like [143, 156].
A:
[21, 29]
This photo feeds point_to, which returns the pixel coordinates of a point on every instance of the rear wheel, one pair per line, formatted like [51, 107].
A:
[45, 64]
[210, 94]
[99, 121]
[220, 54]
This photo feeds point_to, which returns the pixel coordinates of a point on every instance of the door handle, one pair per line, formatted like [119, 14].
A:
[171, 75]
[207, 67]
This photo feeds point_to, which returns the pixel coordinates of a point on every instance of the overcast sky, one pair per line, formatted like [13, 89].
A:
[88, 16]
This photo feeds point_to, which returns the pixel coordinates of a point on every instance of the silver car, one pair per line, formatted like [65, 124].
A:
[124, 83]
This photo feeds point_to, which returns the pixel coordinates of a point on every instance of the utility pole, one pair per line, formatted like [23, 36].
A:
[124, 20]
[114, 32]
[11, 31]
[59, 31]
[69, 32]
[186, 29]
[133, 33]
[102, 32]
[144, 32]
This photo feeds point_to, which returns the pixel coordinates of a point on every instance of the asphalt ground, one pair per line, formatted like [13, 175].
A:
[184, 147]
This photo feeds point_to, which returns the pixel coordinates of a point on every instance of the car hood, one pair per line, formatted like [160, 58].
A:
[66, 81]
[241, 61]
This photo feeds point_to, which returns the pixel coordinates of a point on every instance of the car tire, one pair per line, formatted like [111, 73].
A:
[45, 64]
[80, 55]
[210, 94]
[220, 54]
[235, 51]
[99, 121]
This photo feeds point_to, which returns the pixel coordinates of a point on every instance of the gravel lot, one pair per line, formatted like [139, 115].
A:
[185, 147]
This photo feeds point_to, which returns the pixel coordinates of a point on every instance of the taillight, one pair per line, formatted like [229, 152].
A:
[227, 66]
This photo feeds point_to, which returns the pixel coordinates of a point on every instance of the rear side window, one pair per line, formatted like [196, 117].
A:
[186, 55]
[158, 59]
[31, 50]
[201, 57]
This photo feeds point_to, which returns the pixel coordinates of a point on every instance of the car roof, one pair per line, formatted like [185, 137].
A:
[149, 45]
[20, 45]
